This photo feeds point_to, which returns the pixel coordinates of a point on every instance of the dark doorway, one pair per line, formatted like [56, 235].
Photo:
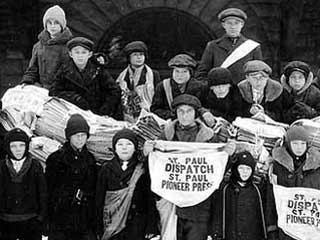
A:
[166, 32]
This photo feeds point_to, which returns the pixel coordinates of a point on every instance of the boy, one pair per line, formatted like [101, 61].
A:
[71, 177]
[23, 191]
[239, 205]
[50, 51]
[222, 49]
[137, 81]
[85, 83]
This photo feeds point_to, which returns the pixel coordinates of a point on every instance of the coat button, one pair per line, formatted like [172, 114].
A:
[290, 176]
[133, 206]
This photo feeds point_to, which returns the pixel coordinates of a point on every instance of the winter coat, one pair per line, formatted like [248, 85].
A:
[307, 175]
[47, 56]
[67, 171]
[244, 211]
[20, 201]
[142, 216]
[276, 101]
[307, 100]
[160, 104]
[228, 107]
[218, 50]
[93, 89]
[201, 211]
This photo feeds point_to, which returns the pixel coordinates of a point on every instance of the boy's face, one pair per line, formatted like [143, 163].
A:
[244, 172]
[80, 56]
[137, 59]
[18, 149]
[78, 140]
[181, 75]
[232, 26]
[186, 115]
[258, 80]
[298, 147]
[124, 149]
[53, 27]
[297, 80]
[221, 90]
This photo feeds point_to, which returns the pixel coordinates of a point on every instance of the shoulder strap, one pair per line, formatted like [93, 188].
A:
[240, 52]
[168, 91]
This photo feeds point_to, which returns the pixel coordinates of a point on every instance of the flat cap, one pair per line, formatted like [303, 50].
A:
[218, 76]
[135, 46]
[232, 12]
[296, 66]
[186, 99]
[182, 60]
[80, 41]
[257, 66]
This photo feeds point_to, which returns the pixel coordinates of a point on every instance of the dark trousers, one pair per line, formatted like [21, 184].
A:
[67, 235]
[24, 230]
[191, 230]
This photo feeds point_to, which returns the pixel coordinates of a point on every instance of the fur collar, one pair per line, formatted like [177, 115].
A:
[281, 156]
[284, 83]
[62, 38]
[272, 90]
[205, 133]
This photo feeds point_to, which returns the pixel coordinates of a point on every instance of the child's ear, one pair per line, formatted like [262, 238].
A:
[70, 54]
[90, 54]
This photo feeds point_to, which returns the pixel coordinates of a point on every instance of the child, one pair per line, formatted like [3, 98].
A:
[192, 221]
[181, 82]
[23, 191]
[297, 80]
[223, 98]
[137, 81]
[71, 177]
[296, 163]
[239, 205]
[85, 83]
[259, 93]
[50, 52]
[125, 209]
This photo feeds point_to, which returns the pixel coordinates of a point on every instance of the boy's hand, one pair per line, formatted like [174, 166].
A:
[230, 147]
[209, 119]
[148, 147]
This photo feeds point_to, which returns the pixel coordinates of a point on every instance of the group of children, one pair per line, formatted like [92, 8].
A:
[74, 199]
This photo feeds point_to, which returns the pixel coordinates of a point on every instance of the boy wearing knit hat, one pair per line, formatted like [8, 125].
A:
[222, 98]
[259, 93]
[71, 177]
[137, 210]
[50, 51]
[297, 79]
[137, 81]
[23, 191]
[296, 163]
[239, 204]
[85, 82]
[230, 51]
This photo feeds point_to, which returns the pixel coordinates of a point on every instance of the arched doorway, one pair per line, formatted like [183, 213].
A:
[166, 31]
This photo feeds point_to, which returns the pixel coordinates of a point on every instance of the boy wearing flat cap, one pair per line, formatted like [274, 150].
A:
[137, 81]
[181, 82]
[260, 93]
[232, 50]
[223, 98]
[85, 82]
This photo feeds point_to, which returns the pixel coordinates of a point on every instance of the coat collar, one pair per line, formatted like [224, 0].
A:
[272, 90]
[62, 38]
[225, 42]
[205, 133]
[281, 156]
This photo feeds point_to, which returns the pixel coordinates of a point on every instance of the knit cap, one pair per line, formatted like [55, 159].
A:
[16, 135]
[186, 99]
[218, 76]
[127, 134]
[76, 124]
[55, 13]
[242, 158]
